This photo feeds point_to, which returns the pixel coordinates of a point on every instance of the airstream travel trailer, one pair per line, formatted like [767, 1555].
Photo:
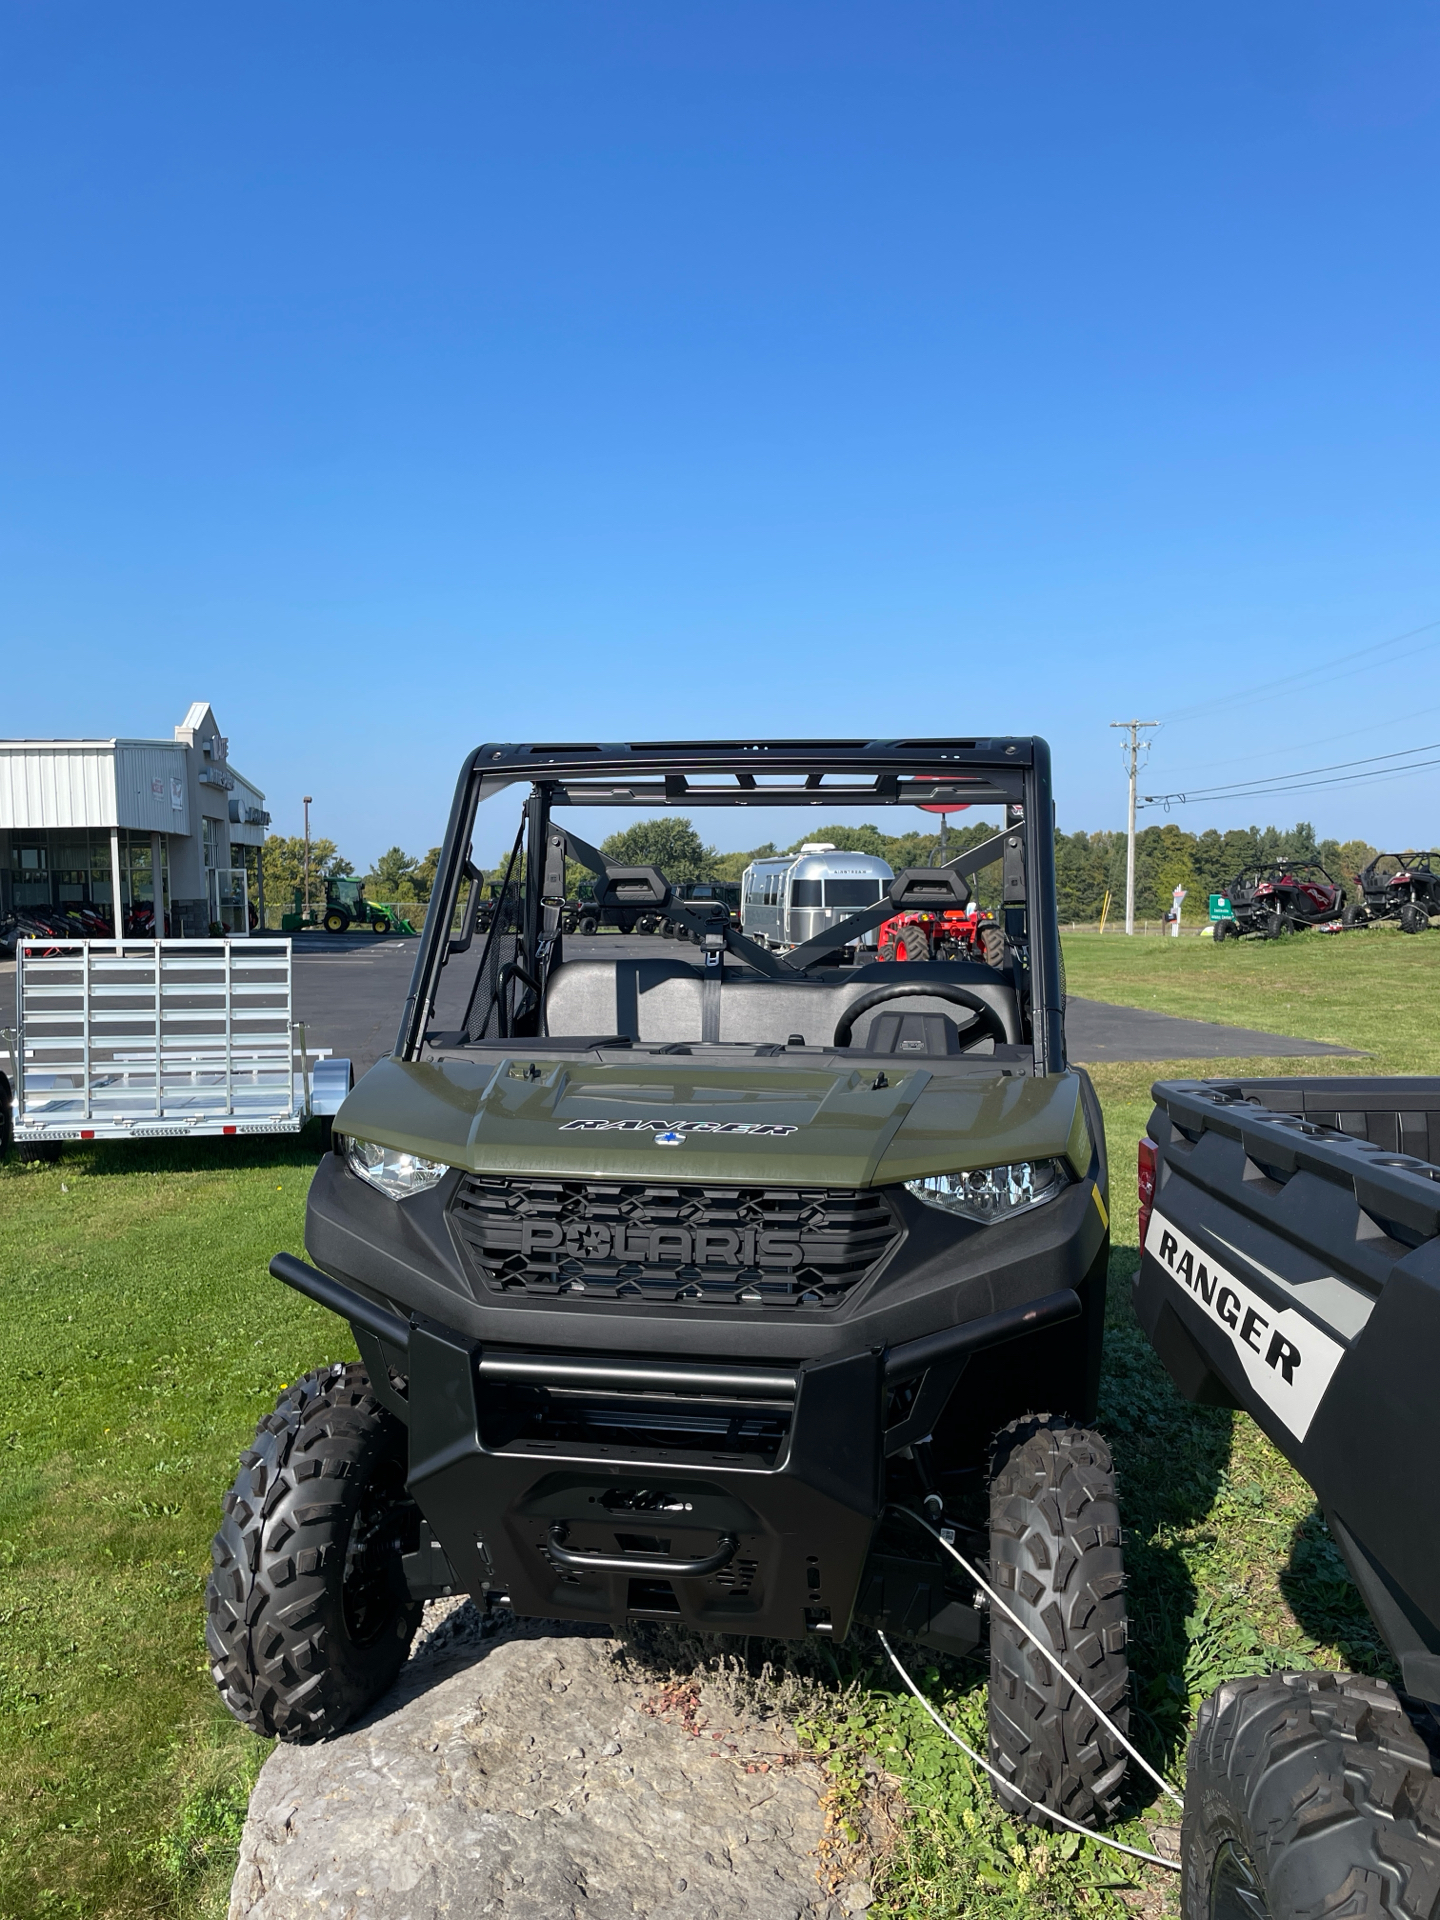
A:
[789, 899]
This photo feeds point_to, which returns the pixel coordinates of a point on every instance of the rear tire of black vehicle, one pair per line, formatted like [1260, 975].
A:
[1226, 930]
[1274, 925]
[1352, 917]
[1055, 1558]
[1309, 1794]
[1413, 918]
[587, 925]
[336, 921]
[309, 1619]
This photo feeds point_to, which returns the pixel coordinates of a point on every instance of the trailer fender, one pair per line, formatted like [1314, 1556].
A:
[330, 1081]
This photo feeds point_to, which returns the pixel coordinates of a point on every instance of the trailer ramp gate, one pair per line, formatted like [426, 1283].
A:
[148, 1039]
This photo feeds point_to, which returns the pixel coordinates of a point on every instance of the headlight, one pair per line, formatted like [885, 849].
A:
[991, 1193]
[393, 1172]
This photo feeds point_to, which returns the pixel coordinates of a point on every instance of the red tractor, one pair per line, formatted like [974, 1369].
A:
[958, 933]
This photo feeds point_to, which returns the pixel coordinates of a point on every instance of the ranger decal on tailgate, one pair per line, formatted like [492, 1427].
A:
[1286, 1358]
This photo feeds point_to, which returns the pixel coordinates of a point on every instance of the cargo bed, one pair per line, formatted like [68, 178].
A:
[1291, 1267]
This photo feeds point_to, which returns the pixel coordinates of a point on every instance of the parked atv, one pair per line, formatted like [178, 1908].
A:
[1275, 900]
[1398, 886]
[954, 933]
[708, 1287]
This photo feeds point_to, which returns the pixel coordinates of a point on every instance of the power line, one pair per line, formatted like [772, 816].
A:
[1325, 740]
[1289, 682]
[1255, 791]
[1303, 773]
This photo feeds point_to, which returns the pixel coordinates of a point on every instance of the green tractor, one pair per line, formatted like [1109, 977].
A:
[345, 907]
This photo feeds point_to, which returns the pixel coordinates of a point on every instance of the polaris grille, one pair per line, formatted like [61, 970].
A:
[621, 1241]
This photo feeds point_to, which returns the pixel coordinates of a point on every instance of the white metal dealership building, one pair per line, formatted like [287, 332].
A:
[162, 823]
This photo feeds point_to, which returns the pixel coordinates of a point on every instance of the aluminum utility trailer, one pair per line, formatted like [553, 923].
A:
[151, 1039]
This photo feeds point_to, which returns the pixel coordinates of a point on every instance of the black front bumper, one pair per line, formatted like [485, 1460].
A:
[737, 1499]
[780, 1475]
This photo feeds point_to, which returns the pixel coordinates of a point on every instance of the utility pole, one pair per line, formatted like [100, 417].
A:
[309, 797]
[1132, 752]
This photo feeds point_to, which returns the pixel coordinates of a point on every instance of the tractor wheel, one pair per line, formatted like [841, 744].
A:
[907, 943]
[992, 946]
[380, 922]
[309, 1618]
[1413, 918]
[1309, 1794]
[1055, 1558]
[336, 920]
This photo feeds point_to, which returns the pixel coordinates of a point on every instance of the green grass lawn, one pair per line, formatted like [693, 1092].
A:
[143, 1338]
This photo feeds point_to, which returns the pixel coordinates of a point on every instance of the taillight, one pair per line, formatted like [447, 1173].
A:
[1146, 1176]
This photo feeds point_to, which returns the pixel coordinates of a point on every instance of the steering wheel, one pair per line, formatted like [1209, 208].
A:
[990, 1021]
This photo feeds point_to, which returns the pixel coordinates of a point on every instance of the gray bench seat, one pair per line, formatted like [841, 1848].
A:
[661, 1001]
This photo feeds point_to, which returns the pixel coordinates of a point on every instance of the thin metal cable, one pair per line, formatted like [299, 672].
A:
[1088, 1833]
[1049, 1653]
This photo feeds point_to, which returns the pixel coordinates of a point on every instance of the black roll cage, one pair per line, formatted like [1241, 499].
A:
[1014, 773]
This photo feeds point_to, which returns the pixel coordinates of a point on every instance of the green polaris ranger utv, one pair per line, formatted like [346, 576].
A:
[718, 1289]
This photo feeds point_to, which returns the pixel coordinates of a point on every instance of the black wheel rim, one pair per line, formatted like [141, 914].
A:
[1235, 1890]
[371, 1589]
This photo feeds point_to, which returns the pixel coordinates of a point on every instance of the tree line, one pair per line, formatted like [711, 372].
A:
[1087, 865]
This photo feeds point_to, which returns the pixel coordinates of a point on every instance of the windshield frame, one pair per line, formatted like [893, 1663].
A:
[1010, 771]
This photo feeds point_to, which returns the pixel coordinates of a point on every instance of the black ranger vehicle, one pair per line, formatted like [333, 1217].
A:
[1291, 1266]
[709, 1288]
[1271, 901]
[1398, 886]
[593, 909]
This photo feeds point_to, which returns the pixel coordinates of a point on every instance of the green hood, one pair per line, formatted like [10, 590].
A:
[783, 1125]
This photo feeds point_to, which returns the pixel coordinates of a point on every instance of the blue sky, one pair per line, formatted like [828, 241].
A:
[398, 378]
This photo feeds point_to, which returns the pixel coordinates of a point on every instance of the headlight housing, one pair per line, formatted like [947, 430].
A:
[396, 1174]
[988, 1194]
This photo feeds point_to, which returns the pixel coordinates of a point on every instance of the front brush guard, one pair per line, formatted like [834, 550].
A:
[737, 1499]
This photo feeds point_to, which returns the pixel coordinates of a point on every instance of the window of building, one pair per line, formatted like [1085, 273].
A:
[29, 876]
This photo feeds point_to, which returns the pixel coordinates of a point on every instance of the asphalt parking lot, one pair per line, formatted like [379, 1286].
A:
[350, 991]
